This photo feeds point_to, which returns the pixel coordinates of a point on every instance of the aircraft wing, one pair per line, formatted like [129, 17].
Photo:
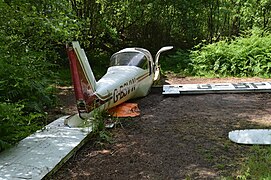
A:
[217, 88]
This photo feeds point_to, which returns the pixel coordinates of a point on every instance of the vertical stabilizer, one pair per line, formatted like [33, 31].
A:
[81, 55]
[83, 79]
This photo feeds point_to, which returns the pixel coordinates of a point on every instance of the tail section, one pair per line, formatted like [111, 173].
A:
[83, 80]
[81, 56]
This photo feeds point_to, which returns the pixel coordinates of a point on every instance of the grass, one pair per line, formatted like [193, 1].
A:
[257, 165]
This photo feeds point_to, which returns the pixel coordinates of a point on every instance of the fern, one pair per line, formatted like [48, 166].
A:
[248, 55]
[15, 124]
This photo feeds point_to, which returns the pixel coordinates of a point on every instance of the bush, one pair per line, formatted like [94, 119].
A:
[244, 56]
[32, 46]
[26, 79]
[177, 63]
[15, 124]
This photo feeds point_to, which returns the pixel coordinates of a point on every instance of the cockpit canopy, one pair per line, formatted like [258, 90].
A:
[131, 58]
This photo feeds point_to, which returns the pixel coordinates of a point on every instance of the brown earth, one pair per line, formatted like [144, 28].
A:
[181, 137]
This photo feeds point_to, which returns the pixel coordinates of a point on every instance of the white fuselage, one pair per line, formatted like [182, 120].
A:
[122, 83]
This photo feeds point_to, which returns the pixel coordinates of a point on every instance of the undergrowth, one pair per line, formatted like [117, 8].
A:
[16, 125]
[99, 125]
[177, 63]
[257, 164]
[245, 56]
[100, 121]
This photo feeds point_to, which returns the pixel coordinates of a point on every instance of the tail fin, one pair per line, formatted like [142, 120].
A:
[83, 79]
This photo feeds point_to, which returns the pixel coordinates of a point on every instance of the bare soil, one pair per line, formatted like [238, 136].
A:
[180, 137]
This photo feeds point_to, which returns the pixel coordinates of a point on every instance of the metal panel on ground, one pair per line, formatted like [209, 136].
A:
[217, 88]
[251, 136]
[40, 153]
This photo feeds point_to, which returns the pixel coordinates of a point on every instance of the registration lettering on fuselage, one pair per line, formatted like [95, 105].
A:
[124, 90]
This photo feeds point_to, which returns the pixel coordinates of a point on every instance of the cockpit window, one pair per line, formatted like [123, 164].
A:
[129, 59]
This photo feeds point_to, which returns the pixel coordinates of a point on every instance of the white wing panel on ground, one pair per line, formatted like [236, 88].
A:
[217, 88]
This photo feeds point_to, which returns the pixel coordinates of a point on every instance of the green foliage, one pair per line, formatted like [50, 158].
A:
[32, 40]
[244, 56]
[99, 126]
[31, 35]
[26, 80]
[15, 124]
[64, 77]
[177, 63]
[99, 62]
[111, 25]
[257, 165]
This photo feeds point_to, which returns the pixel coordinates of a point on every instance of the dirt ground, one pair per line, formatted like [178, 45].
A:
[180, 137]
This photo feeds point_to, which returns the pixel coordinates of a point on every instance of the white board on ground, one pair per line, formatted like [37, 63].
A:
[251, 136]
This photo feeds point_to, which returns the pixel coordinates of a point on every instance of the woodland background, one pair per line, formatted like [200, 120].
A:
[210, 37]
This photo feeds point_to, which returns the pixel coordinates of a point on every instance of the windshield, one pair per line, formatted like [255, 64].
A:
[129, 59]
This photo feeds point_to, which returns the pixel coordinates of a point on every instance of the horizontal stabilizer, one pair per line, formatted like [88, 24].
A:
[251, 136]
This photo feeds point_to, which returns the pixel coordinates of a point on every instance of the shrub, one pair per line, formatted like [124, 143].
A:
[15, 124]
[177, 63]
[32, 41]
[248, 55]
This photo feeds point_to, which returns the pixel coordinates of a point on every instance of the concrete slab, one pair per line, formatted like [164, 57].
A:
[38, 154]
